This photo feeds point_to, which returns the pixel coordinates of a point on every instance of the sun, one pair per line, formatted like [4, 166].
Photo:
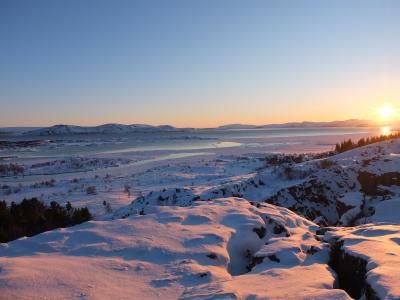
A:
[386, 112]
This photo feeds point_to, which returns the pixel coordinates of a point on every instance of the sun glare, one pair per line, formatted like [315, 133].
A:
[386, 112]
[386, 130]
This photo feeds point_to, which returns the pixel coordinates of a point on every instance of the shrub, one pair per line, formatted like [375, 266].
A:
[278, 159]
[107, 207]
[326, 163]
[11, 169]
[91, 190]
[288, 172]
[127, 189]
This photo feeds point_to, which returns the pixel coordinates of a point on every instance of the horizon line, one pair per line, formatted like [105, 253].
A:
[224, 124]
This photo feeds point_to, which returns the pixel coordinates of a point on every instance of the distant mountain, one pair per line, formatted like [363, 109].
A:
[237, 126]
[101, 129]
[16, 130]
[346, 123]
[121, 128]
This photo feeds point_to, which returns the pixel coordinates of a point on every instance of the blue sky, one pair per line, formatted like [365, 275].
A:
[196, 63]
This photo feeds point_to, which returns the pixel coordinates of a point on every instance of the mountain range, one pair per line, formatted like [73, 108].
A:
[62, 129]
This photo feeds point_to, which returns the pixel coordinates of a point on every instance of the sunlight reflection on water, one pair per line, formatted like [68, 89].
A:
[386, 130]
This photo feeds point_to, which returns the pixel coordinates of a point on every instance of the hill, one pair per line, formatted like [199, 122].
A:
[101, 129]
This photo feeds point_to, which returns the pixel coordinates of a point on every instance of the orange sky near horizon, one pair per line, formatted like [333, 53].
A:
[198, 63]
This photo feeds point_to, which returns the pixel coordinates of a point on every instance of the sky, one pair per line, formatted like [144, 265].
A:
[197, 63]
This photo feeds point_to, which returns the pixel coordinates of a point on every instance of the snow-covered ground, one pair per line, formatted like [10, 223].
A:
[197, 252]
[230, 223]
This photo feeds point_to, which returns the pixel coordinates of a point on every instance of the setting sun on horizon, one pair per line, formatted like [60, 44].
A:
[386, 112]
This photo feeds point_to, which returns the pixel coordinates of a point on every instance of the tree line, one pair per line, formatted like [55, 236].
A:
[31, 217]
[347, 145]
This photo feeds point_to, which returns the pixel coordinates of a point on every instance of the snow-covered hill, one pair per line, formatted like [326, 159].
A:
[305, 124]
[340, 190]
[101, 129]
[62, 129]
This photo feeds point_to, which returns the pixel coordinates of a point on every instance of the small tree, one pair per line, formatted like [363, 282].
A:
[127, 190]
[107, 207]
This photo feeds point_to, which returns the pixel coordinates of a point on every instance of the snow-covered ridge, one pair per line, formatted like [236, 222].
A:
[101, 129]
[305, 124]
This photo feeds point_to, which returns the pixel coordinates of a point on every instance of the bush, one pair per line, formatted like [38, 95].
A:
[91, 190]
[278, 159]
[31, 217]
[11, 169]
[288, 172]
[326, 164]
[127, 189]
[107, 207]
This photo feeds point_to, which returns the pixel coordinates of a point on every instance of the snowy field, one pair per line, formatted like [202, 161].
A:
[203, 217]
[118, 168]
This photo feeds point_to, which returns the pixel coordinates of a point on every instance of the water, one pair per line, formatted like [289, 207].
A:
[98, 144]
[149, 148]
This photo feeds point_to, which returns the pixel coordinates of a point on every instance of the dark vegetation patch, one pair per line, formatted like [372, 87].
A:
[326, 164]
[20, 144]
[11, 169]
[91, 190]
[349, 144]
[282, 159]
[45, 183]
[31, 217]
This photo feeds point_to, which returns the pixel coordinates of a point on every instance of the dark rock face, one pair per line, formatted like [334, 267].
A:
[260, 232]
[351, 273]
[255, 260]
[274, 258]
[320, 195]
[317, 197]
[370, 182]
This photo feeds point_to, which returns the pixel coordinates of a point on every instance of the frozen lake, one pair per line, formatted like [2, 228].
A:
[106, 144]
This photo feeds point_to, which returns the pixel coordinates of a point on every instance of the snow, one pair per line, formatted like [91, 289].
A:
[221, 224]
[188, 252]
[378, 245]
[387, 211]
